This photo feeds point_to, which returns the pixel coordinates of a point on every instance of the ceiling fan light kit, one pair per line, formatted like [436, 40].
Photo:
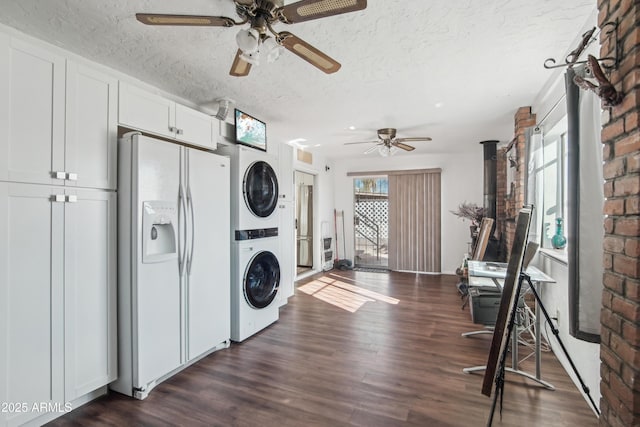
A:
[387, 151]
[387, 143]
[261, 15]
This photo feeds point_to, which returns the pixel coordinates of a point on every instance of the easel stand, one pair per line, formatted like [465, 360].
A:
[501, 365]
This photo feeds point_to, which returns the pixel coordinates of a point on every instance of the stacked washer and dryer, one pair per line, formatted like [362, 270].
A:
[255, 269]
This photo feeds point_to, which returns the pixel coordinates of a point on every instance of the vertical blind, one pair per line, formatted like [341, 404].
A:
[414, 220]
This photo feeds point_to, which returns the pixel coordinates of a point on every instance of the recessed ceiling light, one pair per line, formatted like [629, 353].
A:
[439, 104]
[318, 145]
[352, 128]
[297, 142]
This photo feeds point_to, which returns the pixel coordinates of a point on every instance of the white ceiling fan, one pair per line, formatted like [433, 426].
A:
[387, 143]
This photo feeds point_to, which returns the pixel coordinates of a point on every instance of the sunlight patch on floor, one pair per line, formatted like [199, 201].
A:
[343, 295]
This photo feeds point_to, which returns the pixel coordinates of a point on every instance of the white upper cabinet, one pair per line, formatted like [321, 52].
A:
[32, 82]
[193, 126]
[152, 113]
[49, 136]
[146, 111]
[91, 128]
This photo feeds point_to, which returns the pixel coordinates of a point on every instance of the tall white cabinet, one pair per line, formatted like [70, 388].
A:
[58, 130]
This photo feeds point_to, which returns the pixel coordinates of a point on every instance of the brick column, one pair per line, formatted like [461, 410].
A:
[523, 119]
[620, 316]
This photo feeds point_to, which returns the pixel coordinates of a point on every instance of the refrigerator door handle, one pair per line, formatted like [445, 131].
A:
[193, 229]
[182, 244]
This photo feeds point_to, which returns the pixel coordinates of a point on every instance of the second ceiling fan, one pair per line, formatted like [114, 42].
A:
[261, 15]
[387, 142]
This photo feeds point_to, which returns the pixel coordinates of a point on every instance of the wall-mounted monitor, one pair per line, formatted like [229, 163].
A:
[250, 131]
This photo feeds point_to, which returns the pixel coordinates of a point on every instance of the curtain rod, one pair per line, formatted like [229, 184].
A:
[396, 172]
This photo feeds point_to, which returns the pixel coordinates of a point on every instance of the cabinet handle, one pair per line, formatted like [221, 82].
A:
[59, 175]
[72, 199]
[173, 129]
[58, 198]
[72, 176]
[179, 131]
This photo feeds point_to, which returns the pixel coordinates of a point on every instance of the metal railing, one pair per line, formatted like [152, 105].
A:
[368, 229]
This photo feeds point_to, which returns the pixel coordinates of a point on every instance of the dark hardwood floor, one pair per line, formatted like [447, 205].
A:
[386, 364]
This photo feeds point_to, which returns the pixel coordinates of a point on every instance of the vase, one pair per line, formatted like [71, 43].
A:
[559, 241]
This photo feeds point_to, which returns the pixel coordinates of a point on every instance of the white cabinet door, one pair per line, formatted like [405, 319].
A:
[32, 113]
[91, 128]
[148, 112]
[194, 127]
[139, 109]
[285, 175]
[90, 291]
[209, 282]
[31, 291]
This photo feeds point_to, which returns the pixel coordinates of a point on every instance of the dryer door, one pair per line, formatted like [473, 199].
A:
[262, 279]
[260, 188]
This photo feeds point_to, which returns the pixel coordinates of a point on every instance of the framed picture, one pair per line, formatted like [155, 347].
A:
[483, 239]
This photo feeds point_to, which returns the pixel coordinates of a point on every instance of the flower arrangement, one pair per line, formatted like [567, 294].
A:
[470, 211]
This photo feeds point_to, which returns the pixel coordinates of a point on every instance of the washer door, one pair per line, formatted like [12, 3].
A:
[261, 279]
[260, 188]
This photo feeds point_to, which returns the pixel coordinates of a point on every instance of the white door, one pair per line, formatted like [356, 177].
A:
[90, 291]
[91, 128]
[31, 295]
[157, 292]
[32, 113]
[208, 281]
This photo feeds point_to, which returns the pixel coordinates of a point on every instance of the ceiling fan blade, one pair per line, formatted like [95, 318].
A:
[306, 10]
[309, 53]
[240, 67]
[372, 149]
[244, 2]
[417, 138]
[188, 20]
[361, 142]
[403, 146]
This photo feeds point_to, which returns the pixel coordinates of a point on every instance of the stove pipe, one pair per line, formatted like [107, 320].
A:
[490, 177]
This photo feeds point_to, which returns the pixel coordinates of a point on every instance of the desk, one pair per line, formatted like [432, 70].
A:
[479, 272]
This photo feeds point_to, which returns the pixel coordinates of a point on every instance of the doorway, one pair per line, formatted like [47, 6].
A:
[371, 222]
[304, 185]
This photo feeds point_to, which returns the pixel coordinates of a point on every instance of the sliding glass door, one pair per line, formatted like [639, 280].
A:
[371, 222]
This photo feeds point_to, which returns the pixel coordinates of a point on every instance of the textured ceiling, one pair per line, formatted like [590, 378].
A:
[477, 60]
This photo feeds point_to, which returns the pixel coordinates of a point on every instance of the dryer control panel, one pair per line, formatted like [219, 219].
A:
[258, 233]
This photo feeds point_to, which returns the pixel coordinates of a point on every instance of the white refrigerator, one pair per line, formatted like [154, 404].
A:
[173, 259]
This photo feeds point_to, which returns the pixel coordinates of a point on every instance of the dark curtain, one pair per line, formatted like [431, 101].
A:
[584, 214]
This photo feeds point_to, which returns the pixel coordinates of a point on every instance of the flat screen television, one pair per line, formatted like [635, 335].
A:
[250, 131]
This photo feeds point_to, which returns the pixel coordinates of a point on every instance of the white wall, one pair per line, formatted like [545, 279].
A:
[462, 177]
[549, 107]
[322, 199]
[585, 355]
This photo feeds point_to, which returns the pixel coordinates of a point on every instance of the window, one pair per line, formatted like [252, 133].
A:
[552, 172]
[547, 181]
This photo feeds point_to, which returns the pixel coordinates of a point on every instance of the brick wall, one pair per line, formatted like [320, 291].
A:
[501, 197]
[620, 317]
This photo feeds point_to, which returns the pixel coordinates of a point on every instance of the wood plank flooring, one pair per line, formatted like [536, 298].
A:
[385, 364]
